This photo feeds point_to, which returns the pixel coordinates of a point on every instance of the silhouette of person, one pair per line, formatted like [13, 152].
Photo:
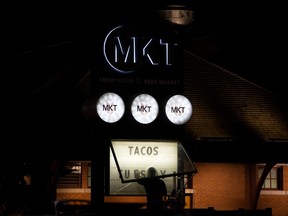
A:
[155, 189]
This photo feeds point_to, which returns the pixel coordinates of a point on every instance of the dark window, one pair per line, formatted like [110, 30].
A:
[71, 177]
[89, 175]
[274, 179]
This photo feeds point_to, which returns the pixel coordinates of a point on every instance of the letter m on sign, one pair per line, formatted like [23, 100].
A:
[127, 54]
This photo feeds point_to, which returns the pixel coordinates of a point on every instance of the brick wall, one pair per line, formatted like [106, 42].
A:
[278, 203]
[74, 194]
[222, 186]
[228, 186]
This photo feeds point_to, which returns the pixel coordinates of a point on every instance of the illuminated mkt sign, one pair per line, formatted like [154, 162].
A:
[110, 107]
[126, 49]
[138, 156]
[178, 109]
[144, 108]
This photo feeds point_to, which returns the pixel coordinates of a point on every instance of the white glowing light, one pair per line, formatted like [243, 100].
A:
[110, 107]
[144, 108]
[178, 109]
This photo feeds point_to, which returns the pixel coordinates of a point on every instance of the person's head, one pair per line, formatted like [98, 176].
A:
[151, 172]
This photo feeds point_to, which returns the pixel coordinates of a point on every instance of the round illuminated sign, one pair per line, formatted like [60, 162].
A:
[144, 108]
[178, 109]
[110, 107]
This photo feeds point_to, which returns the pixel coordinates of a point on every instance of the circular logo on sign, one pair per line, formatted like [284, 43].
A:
[110, 107]
[178, 109]
[144, 108]
[118, 50]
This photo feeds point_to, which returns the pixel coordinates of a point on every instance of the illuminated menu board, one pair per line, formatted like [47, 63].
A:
[128, 158]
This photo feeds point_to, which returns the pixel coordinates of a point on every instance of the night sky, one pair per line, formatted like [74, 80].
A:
[244, 37]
